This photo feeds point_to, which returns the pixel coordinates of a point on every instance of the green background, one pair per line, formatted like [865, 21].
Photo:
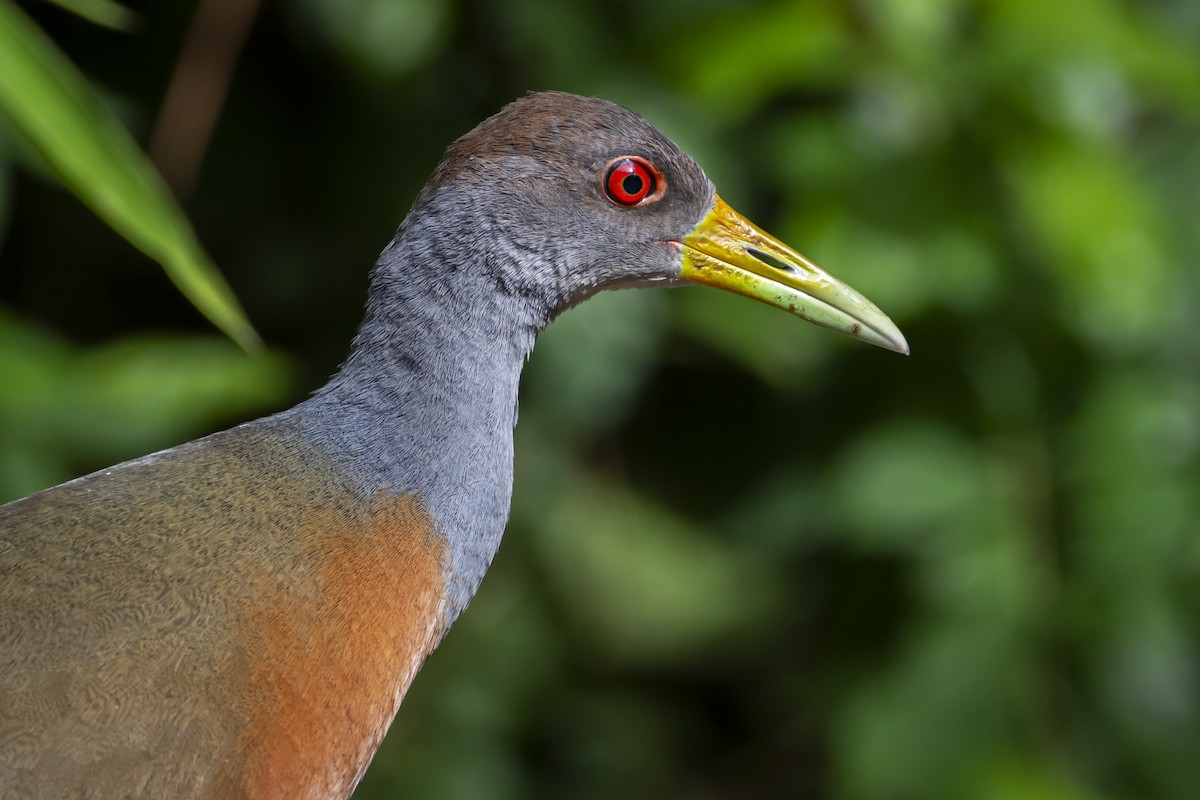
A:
[748, 558]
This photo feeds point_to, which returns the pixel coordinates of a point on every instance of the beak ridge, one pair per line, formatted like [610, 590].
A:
[729, 252]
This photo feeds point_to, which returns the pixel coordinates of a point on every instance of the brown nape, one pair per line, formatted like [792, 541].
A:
[556, 127]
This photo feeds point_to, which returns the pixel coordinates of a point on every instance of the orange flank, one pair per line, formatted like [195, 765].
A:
[326, 672]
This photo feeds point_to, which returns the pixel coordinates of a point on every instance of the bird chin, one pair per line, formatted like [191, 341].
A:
[669, 281]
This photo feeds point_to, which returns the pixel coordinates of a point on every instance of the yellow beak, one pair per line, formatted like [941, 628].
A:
[728, 251]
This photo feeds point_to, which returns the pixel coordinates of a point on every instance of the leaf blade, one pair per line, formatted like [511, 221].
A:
[97, 159]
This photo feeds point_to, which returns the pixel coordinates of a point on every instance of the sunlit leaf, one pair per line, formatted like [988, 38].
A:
[101, 12]
[99, 161]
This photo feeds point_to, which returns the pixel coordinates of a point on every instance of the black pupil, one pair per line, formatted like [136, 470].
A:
[631, 184]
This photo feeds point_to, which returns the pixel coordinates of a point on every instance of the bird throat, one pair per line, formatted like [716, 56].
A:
[426, 403]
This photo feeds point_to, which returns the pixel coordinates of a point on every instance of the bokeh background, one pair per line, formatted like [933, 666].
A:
[748, 558]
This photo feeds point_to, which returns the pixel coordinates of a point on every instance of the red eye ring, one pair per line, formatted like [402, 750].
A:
[628, 181]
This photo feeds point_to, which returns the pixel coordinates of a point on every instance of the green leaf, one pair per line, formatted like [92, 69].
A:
[101, 12]
[99, 161]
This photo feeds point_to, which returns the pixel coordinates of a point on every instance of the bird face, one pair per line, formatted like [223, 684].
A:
[578, 195]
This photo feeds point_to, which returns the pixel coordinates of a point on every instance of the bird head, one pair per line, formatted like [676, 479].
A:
[575, 194]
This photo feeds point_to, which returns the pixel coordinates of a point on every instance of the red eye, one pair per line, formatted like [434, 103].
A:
[629, 181]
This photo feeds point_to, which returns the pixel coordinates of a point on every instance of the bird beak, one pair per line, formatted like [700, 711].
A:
[730, 252]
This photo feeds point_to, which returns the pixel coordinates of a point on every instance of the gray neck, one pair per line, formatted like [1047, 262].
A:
[427, 400]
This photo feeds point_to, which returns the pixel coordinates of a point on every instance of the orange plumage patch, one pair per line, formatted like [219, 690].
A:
[329, 658]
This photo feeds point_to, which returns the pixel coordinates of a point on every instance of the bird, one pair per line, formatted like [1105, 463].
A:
[240, 616]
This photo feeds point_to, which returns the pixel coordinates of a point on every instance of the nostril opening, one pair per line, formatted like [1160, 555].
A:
[771, 260]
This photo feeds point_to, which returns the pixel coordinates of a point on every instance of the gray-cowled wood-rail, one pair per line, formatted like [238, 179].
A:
[240, 616]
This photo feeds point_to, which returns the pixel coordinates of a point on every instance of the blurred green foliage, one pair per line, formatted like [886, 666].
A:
[95, 157]
[747, 558]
